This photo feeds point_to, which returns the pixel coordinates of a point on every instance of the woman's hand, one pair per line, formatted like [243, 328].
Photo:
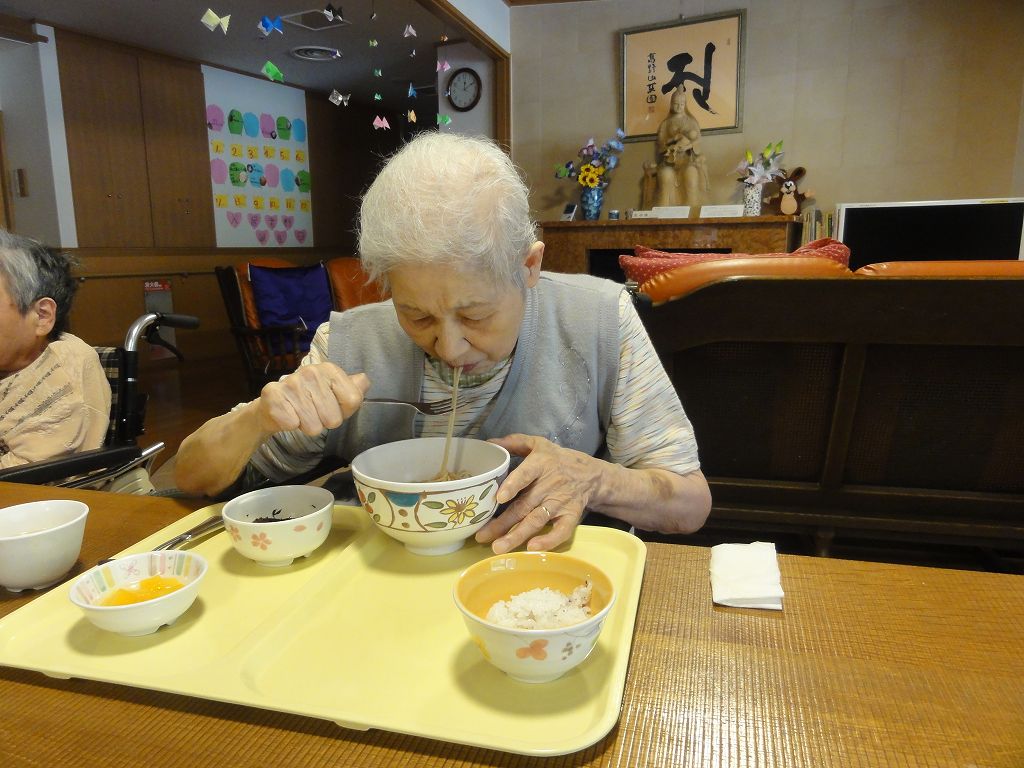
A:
[553, 484]
[313, 398]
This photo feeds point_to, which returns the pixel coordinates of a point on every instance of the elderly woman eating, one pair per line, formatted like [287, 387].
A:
[556, 368]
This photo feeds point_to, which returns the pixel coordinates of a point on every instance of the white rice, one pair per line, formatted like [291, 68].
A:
[543, 608]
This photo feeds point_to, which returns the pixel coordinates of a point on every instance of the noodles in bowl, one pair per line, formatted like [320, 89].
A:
[431, 517]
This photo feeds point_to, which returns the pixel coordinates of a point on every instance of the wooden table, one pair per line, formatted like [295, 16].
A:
[868, 665]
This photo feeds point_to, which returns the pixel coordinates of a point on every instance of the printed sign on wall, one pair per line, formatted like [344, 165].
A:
[259, 161]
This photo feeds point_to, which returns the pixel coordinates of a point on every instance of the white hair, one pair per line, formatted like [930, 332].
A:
[447, 199]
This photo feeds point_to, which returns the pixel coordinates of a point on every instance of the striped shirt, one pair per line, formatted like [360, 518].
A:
[648, 428]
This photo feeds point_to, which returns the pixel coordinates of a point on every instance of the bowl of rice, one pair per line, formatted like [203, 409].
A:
[534, 615]
[400, 486]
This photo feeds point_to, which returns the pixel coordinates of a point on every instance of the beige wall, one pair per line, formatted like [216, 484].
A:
[879, 100]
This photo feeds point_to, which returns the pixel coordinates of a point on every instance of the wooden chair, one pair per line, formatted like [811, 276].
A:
[268, 352]
[349, 284]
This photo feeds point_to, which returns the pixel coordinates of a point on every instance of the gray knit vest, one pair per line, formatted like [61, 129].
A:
[560, 385]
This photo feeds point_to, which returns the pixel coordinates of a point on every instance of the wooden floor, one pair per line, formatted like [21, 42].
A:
[182, 396]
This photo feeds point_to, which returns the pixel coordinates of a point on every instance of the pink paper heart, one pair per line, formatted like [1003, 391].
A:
[234, 218]
[287, 221]
[254, 220]
[300, 235]
[262, 235]
[280, 235]
[271, 220]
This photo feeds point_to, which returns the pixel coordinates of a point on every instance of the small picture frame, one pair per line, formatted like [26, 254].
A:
[569, 213]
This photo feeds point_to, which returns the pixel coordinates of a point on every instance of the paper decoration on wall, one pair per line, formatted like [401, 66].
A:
[214, 118]
[444, 120]
[409, 31]
[264, 160]
[268, 25]
[284, 128]
[272, 72]
[412, 92]
[381, 122]
[339, 98]
[443, 66]
[412, 116]
[211, 21]
[251, 124]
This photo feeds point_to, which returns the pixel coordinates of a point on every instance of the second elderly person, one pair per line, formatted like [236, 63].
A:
[54, 396]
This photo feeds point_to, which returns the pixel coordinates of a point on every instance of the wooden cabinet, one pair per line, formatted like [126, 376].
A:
[594, 246]
[137, 147]
[99, 87]
[177, 159]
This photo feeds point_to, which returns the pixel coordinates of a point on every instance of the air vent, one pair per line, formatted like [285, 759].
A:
[315, 53]
[315, 20]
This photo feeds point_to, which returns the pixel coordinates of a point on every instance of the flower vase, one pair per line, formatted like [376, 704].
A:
[751, 199]
[591, 200]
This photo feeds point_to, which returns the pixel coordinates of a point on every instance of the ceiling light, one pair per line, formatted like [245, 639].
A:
[315, 53]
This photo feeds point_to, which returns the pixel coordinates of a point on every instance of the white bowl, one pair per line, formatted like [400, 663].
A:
[430, 518]
[531, 655]
[40, 542]
[146, 617]
[305, 516]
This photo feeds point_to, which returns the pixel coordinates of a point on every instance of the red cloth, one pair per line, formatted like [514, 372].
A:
[647, 262]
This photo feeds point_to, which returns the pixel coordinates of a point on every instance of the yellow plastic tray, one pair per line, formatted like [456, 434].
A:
[361, 632]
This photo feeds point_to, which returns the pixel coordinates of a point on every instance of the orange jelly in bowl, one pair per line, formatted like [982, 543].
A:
[146, 589]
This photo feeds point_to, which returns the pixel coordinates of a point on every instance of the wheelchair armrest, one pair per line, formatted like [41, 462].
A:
[51, 470]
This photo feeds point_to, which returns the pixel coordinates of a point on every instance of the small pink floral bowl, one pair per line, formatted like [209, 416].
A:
[273, 526]
[396, 487]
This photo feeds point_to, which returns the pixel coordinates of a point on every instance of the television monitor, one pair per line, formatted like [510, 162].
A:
[932, 230]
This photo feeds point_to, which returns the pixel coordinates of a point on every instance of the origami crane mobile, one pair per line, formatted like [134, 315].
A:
[381, 122]
[272, 72]
[211, 21]
[339, 98]
[268, 25]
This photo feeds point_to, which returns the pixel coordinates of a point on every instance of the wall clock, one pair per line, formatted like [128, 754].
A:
[464, 87]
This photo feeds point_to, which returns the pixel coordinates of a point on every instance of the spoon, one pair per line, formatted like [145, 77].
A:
[209, 525]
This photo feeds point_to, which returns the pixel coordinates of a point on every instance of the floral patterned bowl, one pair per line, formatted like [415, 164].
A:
[531, 655]
[273, 526]
[431, 518]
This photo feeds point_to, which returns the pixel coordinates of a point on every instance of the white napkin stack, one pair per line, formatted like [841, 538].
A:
[746, 576]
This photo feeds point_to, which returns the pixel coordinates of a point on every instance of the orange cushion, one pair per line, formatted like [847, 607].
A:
[252, 317]
[674, 283]
[349, 284]
[647, 262]
[980, 268]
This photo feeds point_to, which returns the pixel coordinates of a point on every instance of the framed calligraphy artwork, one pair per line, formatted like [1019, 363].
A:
[702, 54]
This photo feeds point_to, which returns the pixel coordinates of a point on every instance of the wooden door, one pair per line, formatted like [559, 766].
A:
[99, 85]
[177, 156]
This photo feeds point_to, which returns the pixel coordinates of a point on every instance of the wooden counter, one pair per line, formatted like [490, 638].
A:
[569, 243]
[867, 665]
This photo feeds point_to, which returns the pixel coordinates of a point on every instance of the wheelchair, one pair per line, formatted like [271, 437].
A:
[120, 465]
